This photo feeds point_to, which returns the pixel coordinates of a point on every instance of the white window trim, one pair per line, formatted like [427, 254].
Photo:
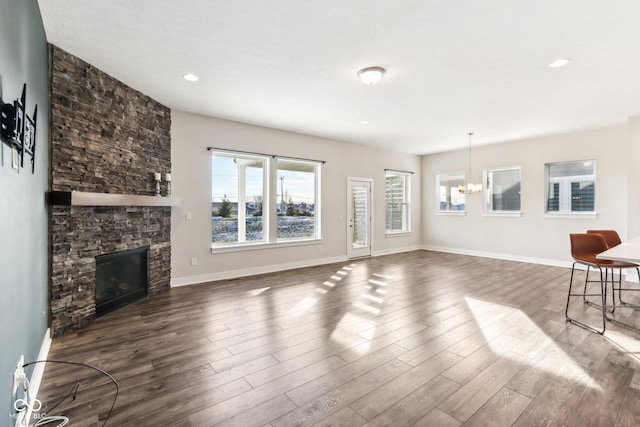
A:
[567, 213]
[270, 239]
[504, 214]
[240, 247]
[451, 213]
[486, 193]
[407, 201]
[266, 235]
[317, 207]
[571, 215]
[397, 233]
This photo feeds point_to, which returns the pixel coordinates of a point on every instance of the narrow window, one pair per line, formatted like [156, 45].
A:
[297, 199]
[237, 198]
[397, 191]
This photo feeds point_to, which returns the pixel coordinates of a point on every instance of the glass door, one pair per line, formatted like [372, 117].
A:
[359, 219]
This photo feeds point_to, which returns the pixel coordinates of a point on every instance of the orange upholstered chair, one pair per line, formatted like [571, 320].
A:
[613, 239]
[584, 248]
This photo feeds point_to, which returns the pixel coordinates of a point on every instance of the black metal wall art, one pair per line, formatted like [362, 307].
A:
[18, 130]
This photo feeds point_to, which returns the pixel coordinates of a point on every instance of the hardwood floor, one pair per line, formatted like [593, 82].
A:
[421, 338]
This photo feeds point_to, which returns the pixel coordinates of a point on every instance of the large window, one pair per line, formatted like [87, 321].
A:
[245, 209]
[450, 198]
[297, 199]
[398, 189]
[502, 190]
[571, 186]
[237, 198]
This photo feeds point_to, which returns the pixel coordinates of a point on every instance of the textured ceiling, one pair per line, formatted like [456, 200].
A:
[453, 66]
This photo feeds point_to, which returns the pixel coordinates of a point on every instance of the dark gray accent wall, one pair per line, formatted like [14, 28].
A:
[106, 138]
[23, 213]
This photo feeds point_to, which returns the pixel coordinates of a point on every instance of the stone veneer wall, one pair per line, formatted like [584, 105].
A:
[105, 138]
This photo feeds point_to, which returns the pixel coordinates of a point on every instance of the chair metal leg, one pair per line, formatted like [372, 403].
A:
[586, 280]
[620, 289]
[612, 307]
[584, 294]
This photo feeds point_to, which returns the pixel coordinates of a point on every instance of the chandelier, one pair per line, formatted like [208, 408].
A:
[469, 188]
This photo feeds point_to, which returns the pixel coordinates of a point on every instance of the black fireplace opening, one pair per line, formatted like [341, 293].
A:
[121, 278]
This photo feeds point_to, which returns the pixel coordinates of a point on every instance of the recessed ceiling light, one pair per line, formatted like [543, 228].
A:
[560, 62]
[371, 75]
[364, 122]
[190, 77]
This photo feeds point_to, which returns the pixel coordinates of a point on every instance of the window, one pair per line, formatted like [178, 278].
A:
[450, 198]
[297, 199]
[398, 188]
[571, 187]
[502, 190]
[243, 211]
[237, 197]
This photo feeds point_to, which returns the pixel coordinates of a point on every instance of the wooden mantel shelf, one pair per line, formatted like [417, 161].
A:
[82, 198]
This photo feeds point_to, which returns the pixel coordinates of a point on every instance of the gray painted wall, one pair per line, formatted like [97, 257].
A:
[23, 213]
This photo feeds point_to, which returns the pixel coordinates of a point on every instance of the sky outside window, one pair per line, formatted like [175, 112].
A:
[299, 186]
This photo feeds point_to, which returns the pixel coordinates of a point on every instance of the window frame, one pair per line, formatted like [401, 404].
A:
[439, 210]
[488, 209]
[406, 203]
[565, 186]
[241, 239]
[270, 204]
[316, 197]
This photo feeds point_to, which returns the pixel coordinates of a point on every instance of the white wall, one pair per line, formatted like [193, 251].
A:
[191, 134]
[531, 237]
[632, 161]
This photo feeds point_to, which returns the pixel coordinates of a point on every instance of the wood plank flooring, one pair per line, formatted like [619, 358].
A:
[420, 338]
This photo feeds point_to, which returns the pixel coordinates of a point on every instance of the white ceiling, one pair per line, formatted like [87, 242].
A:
[453, 66]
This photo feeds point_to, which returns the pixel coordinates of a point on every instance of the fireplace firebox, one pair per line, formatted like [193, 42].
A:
[121, 278]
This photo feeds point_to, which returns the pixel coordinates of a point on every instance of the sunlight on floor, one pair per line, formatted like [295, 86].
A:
[351, 327]
[343, 332]
[304, 305]
[367, 307]
[377, 282]
[558, 363]
[628, 341]
[310, 300]
[257, 292]
[370, 301]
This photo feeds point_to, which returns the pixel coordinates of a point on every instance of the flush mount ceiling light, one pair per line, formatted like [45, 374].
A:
[190, 77]
[560, 62]
[371, 75]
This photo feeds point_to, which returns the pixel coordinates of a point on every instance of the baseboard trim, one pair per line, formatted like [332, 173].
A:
[38, 370]
[234, 274]
[36, 378]
[497, 255]
[397, 250]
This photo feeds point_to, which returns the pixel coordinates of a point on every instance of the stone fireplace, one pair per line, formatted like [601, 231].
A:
[106, 140]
